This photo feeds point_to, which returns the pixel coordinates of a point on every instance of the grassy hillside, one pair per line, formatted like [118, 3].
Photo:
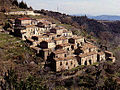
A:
[15, 54]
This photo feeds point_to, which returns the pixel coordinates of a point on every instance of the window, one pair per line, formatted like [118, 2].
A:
[33, 32]
[68, 49]
[72, 47]
[74, 65]
[77, 44]
[60, 63]
[52, 38]
[66, 63]
[71, 62]
[89, 50]
[65, 55]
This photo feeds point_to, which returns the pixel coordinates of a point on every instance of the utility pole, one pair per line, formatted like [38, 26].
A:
[57, 8]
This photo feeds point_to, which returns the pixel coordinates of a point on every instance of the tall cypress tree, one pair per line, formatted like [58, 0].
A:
[15, 2]
[23, 5]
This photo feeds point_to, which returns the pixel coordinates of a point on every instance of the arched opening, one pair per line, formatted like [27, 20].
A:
[68, 49]
[85, 63]
[65, 55]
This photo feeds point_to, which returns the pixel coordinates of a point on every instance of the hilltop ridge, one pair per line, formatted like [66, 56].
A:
[105, 17]
[6, 5]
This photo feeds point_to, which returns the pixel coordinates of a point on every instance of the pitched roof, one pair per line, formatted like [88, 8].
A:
[30, 26]
[66, 58]
[77, 37]
[58, 28]
[101, 53]
[25, 18]
[60, 38]
[108, 52]
[88, 45]
[59, 51]
[65, 44]
[87, 54]
[36, 48]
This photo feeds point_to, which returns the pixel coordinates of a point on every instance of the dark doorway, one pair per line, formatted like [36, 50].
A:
[78, 44]
[98, 58]
[90, 62]
[85, 63]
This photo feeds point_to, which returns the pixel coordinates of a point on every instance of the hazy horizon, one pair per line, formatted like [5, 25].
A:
[73, 7]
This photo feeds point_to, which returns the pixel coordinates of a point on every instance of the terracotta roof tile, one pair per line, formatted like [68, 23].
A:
[60, 38]
[66, 58]
[25, 18]
[87, 54]
[59, 51]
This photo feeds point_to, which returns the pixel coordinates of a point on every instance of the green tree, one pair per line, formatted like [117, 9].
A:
[23, 5]
[15, 2]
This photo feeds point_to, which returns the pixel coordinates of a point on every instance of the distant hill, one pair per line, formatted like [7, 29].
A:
[105, 17]
[6, 4]
[13, 5]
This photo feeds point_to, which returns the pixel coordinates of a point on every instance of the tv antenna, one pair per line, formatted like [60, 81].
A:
[57, 8]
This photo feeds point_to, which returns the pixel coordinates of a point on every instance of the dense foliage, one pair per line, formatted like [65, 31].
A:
[23, 5]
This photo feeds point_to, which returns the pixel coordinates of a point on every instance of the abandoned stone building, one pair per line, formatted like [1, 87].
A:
[27, 27]
[59, 48]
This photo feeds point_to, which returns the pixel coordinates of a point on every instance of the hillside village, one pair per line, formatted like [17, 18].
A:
[60, 49]
[49, 50]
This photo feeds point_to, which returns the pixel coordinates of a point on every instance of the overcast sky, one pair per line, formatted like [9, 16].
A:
[88, 7]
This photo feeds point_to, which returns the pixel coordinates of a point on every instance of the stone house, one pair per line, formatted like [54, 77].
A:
[87, 58]
[60, 60]
[34, 22]
[47, 44]
[100, 56]
[44, 53]
[65, 46]
[57, 30]
[41, 38]
[45, 24]
[60, 53]
[87, 47]
[51, 36]
[78, 41]
[36, 49]
[67, 33]
[26, 31]
[60, 40]
[32, 42]
[23, 21]
[60, 64]
[109, 56]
